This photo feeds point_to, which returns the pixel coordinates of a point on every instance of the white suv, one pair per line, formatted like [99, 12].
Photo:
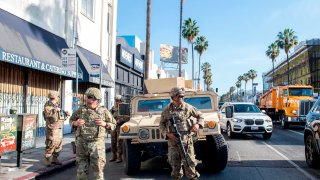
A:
[244, 118]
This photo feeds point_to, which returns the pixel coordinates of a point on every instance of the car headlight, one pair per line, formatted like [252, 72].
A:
[211, 124]
[268, 120]
[125, 128]
[237, 120]
[144, 134]
[294, 112]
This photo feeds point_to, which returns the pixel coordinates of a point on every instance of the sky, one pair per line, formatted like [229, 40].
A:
[238, 31]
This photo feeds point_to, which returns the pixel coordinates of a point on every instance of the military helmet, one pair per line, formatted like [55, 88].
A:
[118, 98]
[95, 92]
[53, 94]
[177, 91]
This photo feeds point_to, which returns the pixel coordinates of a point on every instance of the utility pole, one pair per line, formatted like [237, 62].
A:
[147, 54]
[180, 31]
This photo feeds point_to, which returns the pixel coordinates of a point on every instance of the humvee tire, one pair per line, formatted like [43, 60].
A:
[214, 153]
[131, 157]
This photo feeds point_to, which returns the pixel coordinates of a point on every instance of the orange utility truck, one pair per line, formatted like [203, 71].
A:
[290, 104]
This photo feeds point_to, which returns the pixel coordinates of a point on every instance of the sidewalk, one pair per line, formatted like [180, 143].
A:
[32, 160]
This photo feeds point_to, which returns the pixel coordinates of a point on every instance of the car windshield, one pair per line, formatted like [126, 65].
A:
[199, 102]
[300, 92]
[153, 105]
[246, 108]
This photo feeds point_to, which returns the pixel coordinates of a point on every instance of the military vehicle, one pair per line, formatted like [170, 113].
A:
[141, 134]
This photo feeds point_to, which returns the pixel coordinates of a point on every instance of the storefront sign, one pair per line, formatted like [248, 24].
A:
[8, 133]
[103, 81]
[95, 70]
[34, 64]
[27, 126]
[126, 57]
[138, 64]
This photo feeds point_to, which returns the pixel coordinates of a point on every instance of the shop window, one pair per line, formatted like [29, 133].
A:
[125, 77]
[87, 9]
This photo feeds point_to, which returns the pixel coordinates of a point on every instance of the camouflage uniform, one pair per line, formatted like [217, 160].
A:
[90, 143]
[116, 143]
[53, 129]
[181, 114]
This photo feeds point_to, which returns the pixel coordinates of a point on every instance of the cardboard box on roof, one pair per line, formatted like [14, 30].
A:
[166, 84]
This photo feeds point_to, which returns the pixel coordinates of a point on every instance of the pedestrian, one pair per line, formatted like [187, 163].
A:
[91, 122]
[182, 112]
[54, 118]
[116, 143]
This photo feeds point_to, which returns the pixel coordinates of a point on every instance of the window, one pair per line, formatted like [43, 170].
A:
[246, 108]
[300, 92]
[199, 102]
[156, 105]
[87, 8]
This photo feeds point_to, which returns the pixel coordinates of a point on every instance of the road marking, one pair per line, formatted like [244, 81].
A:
[296, 132]
[291, 162]
[238, 156]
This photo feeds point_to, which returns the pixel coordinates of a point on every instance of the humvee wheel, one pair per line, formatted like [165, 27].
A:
[214, 153]
[131, 157]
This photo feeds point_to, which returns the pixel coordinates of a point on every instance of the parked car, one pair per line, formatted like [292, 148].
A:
[244, 118]
[311, 136]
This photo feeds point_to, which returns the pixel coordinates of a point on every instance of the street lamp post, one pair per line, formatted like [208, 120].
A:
[158, 72]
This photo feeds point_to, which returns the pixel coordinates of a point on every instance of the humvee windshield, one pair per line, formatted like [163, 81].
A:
[199, 102]
[152, 105]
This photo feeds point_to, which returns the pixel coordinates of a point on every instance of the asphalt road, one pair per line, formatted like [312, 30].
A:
[250, 157]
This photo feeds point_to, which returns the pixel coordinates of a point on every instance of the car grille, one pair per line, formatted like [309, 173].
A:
[251, 121]
[305, 106]
[248, 121]
[259, 121]
[155, 134]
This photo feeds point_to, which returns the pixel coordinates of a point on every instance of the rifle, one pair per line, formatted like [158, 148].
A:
[174, 129]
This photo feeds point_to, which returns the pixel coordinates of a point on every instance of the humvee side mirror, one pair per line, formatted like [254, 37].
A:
[229, 112]
[124, 109]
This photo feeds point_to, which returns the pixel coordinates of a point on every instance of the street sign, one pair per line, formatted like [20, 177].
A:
[69, 59]
[95, 70]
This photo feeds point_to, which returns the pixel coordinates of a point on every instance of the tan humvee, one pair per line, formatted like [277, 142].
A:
[141, 134]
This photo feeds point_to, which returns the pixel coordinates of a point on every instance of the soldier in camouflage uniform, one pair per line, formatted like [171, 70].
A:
[116, 143]
[91, 122]
[54, 123]
[182, 112]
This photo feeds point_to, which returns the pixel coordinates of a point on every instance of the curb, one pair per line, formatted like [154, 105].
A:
[50, 169]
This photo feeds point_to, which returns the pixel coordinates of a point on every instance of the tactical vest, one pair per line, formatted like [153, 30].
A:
[90, 131]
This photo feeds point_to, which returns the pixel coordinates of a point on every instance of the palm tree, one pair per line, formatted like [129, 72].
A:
[252, 74]
[273, 52]
[286, 40]
[231, 90]
[201, 46]
[190, 31]
[240, 79]
[147, 61]
[246, 79]
[238, 85]
[207, 75]
[180, 29]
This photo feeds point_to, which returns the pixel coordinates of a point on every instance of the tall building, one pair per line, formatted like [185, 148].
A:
[33, 34]
[304, 64]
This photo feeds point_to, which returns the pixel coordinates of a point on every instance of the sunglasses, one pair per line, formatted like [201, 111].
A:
[90, 97]
[180, 96]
